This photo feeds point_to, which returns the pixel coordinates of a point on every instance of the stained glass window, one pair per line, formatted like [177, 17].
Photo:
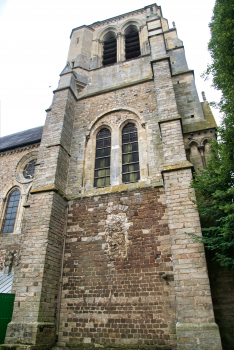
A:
[11, 211]
[102, 159]
[29, 169]
[130, 155]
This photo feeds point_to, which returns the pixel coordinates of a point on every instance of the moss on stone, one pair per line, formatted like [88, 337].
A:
[208, 123]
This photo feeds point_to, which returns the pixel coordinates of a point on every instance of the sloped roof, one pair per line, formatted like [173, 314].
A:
[6, 283]
[20, 139]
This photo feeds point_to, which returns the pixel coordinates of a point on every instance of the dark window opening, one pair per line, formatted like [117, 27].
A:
[132, 43]
[130, 155]
[11, 211]
[102, 159]
[29, 169]
[109, 49]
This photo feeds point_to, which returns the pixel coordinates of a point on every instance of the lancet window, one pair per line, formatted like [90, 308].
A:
[102, 159]
[109, 49]
[132, 43]
[11, 211]
[130, 155]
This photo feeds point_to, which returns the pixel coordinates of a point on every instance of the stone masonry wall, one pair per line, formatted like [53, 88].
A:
[10, 242]
[36, 279]
[37, 274]
[140, 99]
[222, 291]
[117, 248]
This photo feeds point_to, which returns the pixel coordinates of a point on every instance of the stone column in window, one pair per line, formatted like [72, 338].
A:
[201, 150]
[120, 47]
[96, 60]
[144, 42]
[115, 158]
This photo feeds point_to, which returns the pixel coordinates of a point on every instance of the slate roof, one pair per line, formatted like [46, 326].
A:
[20, 139]
[6, 283]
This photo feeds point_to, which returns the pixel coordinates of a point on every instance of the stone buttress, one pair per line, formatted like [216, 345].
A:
[37, 274]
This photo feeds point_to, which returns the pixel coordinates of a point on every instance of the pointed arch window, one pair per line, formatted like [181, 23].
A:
[11, 211]
[132, 42]
[102, 159]
[130, 155]
[109, 49]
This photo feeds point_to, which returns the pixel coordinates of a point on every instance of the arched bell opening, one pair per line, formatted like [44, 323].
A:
[109, 49]
[132, 42]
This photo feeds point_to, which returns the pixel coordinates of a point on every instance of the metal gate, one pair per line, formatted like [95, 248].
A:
[6, 310]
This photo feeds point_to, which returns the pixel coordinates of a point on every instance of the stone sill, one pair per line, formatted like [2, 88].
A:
[117, 188]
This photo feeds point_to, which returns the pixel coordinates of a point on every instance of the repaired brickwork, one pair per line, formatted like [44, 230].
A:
[117, 249]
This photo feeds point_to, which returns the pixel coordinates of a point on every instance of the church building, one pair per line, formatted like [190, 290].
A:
[96, 205]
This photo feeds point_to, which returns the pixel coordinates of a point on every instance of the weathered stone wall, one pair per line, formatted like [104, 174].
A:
[37, 274]
[36, 278]
[222, 291]
[197, 146]
[187, 98]
[117, 248]
[10, 242]
[127, 242]
[115, 106]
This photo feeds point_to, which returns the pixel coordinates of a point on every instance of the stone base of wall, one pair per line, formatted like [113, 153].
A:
[222, 291]
[110, 347]
[200, 336]
[24, 347]
[36, 336]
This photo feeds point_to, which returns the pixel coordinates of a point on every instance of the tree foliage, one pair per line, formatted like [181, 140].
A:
[214, 185]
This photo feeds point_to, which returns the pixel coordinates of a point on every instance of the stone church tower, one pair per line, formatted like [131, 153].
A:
[103, 255]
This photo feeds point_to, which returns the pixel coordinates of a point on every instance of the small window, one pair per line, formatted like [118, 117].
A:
[102, 159]
[11, 211]
[132, 43]
[109, 49]
[130, 155]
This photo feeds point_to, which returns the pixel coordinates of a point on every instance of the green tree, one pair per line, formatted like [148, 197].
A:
[214, 185]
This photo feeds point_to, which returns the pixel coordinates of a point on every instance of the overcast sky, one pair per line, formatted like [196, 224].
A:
[34, 42]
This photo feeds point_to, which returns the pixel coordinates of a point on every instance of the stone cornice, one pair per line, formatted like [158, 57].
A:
[59, 145]
[183, 72]
[65, 88]
[177, 166]
[19, 149]
[96, 191]
[114, 19]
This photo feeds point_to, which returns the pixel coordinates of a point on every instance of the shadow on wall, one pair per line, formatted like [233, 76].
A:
[222, 291]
